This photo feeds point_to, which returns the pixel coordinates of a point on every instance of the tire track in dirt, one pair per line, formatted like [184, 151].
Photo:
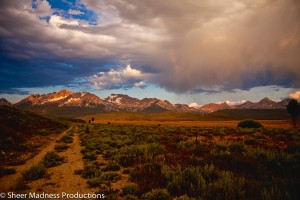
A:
[62, 178]
[7, 183]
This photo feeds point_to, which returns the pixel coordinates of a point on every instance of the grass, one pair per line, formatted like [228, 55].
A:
[35, 172]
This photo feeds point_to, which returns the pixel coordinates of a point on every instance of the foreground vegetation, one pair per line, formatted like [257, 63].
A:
[22, 133]
[164, 162]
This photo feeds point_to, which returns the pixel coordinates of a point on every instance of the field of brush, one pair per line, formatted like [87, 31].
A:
[179, 162]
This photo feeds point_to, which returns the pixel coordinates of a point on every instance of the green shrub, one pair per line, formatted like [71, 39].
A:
[130, 197]
[249, 123]
[154, 149]
[90, 171]
[131, 190]
[61, 147]
[111, 177]
[21, 185]
[148, 176]
[157, 194]
[128, 156]
[188, 181]
[258, 135]
[6, 171]
[104, 178]
[35, 172]
[185, 145]
[274, 193]
[94, 182]
[250, 140]
[184, 197]
[227, 186]
[236, 147]
[66, 139]
[78, 171]
[52, 159]
[221, 146]
[90, 156]
[111, 166]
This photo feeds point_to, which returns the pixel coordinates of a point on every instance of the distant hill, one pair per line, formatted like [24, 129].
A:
[22, 131]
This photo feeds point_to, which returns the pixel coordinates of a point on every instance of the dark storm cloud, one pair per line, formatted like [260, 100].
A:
[181, 46]
[40, 72]
[208, 44]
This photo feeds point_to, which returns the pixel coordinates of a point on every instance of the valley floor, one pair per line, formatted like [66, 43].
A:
[228, 123]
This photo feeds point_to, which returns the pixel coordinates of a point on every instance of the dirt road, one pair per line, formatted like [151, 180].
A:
[62, 178]
[7, 183]
[58, 179]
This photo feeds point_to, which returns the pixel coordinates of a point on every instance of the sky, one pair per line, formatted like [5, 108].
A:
[191, 52]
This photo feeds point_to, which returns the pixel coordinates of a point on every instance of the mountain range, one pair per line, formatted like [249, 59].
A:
[66, 100]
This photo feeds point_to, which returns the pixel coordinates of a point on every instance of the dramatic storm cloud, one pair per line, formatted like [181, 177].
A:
[184, 47]
[228, 44]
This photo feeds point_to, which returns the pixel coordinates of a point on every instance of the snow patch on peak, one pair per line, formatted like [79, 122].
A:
[53, 99]
[114, 98]
[118, 100]
[82, 94]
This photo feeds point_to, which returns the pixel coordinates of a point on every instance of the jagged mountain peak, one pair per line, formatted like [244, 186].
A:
[122, 99]
[266, 100]
[223, 104]
[61, 98]
[64, 92]
[284, 102]
[212, 107]
[4, 102]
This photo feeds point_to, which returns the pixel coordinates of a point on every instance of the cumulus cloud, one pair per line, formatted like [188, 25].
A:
[140, 84]
[58, 21]
[225, 44]
[230, 103]
[234, 103]
[42, 8]
[295, 95]
[119, 78]
[194, 105]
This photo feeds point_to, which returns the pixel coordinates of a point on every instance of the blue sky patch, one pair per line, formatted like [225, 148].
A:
[63, 8]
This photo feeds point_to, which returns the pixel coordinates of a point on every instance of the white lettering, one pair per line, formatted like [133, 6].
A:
[12, 195]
